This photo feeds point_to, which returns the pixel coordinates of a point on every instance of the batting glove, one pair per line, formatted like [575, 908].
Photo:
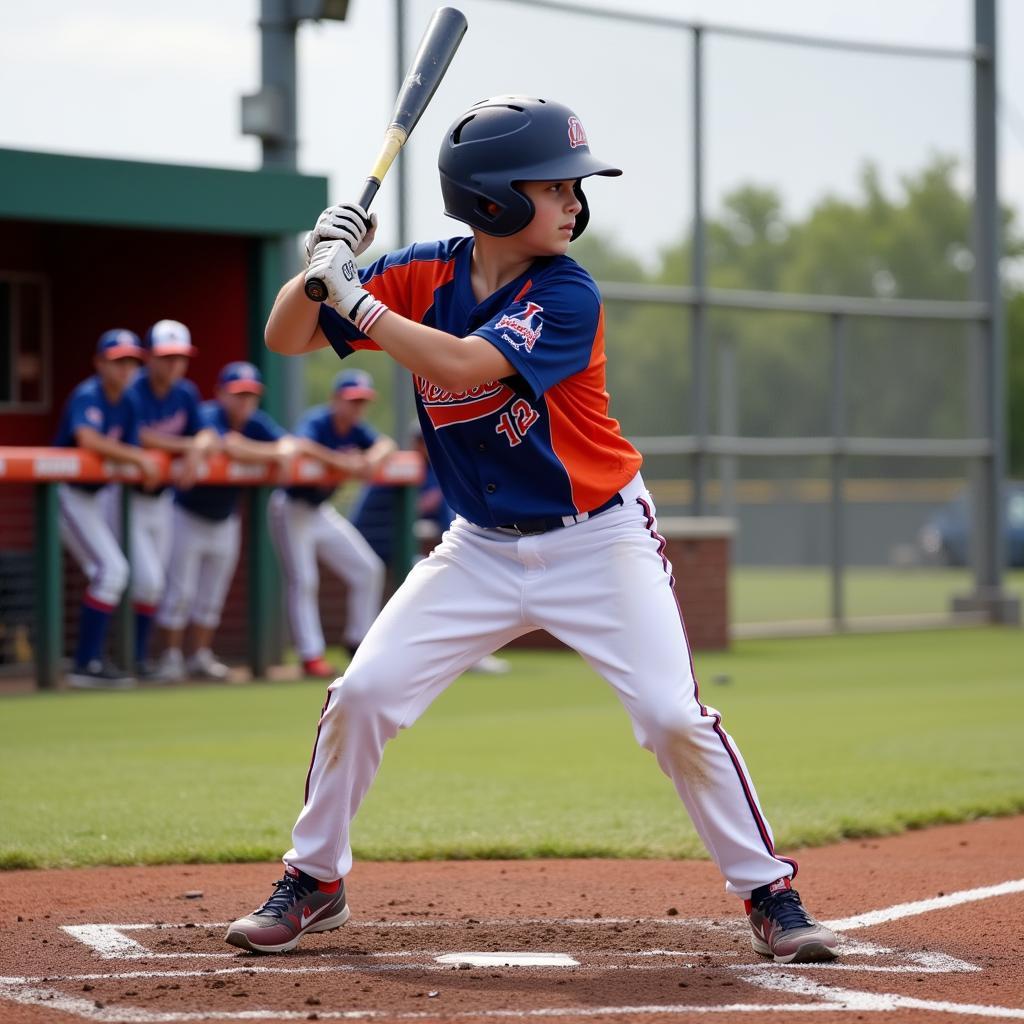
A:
[348, 223]
[334, 263]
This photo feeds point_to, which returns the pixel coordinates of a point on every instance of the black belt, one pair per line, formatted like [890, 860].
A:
[528, 527]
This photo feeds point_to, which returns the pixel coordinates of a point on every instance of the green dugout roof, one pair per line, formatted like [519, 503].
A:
[133, 194]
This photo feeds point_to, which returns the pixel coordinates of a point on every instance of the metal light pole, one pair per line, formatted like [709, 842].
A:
[271, 115]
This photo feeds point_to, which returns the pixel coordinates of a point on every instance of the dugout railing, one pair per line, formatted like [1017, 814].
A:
[45, 468]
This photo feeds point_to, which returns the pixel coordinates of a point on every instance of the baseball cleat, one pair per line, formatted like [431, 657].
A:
[170, 668]
[204, 664]
[318, 668]
[100, 675]
[783, 930]
[300, 904]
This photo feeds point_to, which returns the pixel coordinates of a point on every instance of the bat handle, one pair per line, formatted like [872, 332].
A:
[315, 288]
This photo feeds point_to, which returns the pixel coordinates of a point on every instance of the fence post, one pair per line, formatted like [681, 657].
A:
[263, 604]
[125, 625]
[837, 411]
[403, 541]
[49, 588]
[699, 341]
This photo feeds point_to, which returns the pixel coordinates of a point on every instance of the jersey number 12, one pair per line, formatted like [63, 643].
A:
[517, 421]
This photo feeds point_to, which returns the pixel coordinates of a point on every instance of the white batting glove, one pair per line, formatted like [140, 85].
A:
[347, 222]
[335, 265]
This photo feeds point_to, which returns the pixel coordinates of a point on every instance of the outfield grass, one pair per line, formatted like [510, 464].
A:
[770, 594]
[845, 736]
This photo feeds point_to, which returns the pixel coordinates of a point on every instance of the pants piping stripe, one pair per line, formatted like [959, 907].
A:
[755, 812]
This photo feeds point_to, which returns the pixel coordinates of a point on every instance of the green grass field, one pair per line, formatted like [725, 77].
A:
[845, 736]
[780, 594]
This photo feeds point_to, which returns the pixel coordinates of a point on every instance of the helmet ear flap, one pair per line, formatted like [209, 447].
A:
[583, 217]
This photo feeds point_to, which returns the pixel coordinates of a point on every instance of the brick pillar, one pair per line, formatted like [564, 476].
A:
[698, 548]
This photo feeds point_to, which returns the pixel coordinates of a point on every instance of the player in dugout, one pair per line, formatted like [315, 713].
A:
[305, 526]
[100, 417]
[167, 408]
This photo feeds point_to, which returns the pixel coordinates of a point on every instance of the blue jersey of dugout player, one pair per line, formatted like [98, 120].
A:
[235, 416]
[100, 417]
[554, 529]
[341, 430]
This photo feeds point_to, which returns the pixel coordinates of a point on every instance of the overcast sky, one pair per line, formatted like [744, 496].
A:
[162, 81]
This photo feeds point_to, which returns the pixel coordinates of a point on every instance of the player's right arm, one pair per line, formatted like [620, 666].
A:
[92, 440]
[293, 327]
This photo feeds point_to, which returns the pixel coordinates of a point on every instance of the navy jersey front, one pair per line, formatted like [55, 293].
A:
[176, 414]
[318, 425]
[88, 406]
[539, 443]
[219, 502]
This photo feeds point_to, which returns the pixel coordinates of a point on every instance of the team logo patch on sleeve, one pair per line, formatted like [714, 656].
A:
[523, 326]
[94, 416]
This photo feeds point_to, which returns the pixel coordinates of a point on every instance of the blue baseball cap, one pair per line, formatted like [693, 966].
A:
[120, 343]
[240, 377]
[170, 338]
[354, 384]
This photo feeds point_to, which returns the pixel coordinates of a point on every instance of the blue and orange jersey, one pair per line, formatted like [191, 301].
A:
[318, 425]
[534, 445]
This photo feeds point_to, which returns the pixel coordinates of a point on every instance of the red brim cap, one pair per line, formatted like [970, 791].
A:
[125, 352]
[176, 350]
[357, 392]
[252, 387]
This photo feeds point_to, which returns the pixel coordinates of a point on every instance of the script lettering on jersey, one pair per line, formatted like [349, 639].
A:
[447, 407]
[173, 424]
[522, 326]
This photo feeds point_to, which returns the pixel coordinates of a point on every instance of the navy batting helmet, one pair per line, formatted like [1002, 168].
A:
[503, 141]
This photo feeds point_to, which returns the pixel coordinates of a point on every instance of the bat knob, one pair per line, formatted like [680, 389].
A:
[316, 290]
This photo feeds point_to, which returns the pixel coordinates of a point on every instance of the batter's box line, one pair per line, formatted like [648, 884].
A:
[110, 942]
[834, 1000]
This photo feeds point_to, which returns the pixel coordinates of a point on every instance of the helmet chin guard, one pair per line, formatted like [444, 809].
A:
[501, 142]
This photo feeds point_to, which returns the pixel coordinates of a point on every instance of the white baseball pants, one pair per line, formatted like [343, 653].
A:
[87, 535]
[604, 588]
[152, 530]
[204, 553]
[302, 533]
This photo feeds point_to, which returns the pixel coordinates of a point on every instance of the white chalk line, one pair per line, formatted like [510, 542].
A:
[852, 1000]
[766, 976]
[953, 899]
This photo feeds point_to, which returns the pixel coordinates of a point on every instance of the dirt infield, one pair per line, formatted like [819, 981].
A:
[933, 926]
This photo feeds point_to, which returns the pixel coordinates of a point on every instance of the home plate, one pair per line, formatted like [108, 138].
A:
[509, 959]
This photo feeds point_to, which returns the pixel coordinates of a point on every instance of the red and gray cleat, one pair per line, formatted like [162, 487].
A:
[300, 904]
[783, 930]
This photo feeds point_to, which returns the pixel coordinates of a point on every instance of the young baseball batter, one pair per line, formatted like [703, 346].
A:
[554, 527]
[305, 526]
[167, 409]
[99, 416]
